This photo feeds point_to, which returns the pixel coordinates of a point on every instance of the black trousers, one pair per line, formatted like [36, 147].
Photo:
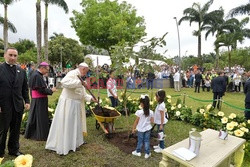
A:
[197, 86]
[114, 101]
[247, 113]
[10, 120]
[217, 97]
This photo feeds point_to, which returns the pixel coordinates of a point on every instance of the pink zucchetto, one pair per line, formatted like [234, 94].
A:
[44, 64]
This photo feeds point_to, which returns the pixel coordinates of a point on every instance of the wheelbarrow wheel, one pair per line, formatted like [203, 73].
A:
[97, 125]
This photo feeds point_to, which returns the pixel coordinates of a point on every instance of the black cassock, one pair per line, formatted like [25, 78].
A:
[38, 121]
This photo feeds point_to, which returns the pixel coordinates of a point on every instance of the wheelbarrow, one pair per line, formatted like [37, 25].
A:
[106, 123]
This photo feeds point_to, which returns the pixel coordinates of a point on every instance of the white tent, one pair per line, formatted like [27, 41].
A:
[106, 60]
[101, 58]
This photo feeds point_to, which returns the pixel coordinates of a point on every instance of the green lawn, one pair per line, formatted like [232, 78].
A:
[99, 152]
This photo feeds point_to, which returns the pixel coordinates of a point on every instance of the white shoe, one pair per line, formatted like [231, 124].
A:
[147, 155]
[155, 147]
[158, 150]
[136, 153]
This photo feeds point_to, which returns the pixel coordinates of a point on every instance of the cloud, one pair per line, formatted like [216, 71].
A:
[158, 16]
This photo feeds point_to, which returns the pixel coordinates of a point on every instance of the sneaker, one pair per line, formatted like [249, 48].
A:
[147, 155]
[136, 153]
[158, 150]
[155, 147]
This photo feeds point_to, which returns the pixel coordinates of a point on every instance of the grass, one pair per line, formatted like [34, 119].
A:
[100, 153]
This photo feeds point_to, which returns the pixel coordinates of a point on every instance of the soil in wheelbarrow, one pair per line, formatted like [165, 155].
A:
[127, 145]
[105, 112]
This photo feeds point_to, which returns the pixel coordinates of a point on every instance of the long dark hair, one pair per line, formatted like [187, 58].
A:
[145, 102]
[161, 94]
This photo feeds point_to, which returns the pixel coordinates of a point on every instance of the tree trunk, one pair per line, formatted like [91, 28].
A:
[217, 58]
[229, 59]
[46, 46]
[38, 30]
[199, 50]
[5, 28]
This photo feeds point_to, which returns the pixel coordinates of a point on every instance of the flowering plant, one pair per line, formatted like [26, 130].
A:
[20, 161]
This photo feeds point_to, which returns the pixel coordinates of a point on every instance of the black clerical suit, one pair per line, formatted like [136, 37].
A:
[247, 99]
[13, 95]
[219, 87]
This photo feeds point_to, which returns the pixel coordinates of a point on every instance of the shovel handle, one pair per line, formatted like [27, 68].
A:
[85, 86]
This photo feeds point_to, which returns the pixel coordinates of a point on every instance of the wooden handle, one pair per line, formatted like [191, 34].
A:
[86, 87]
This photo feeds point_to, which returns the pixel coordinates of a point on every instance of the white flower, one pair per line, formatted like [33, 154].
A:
[232, 116]
[243, 124]
[224, 120]
[179, 106]
[244, 129]
[173, 107]
[169, 100]
[238, 133]
[178, 113]
[202, 110]
[230, 126]
[248, 121]
[23, 161]
[168, 96]
[50, 109]
[151, 103]
[234, 123]
[209, 107]
[1, 159]
[221, 114]
[24, 115]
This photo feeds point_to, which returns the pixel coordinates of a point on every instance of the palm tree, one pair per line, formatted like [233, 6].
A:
[6, 25]
[60, 3]
[38, 30]
[11, 26]
[240, 10]
[199, 14]
[228, 40]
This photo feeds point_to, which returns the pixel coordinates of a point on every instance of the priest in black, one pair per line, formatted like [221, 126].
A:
[14, 97]
[38, 121]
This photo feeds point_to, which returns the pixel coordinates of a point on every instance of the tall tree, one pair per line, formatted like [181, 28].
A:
[107, 23]
[228, 40]
[200, 15]
[38, 30]
[240, 10]
[60, 3]
[66, 50]
[6, 25]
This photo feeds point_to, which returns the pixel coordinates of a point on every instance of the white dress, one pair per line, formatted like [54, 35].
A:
[69, 122]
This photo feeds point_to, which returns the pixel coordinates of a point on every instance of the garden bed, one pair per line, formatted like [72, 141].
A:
[126, 144]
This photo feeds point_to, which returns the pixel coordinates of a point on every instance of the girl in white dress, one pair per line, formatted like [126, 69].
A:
[160, 117]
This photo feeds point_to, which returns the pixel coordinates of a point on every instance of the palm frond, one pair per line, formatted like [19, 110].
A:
[240, 10]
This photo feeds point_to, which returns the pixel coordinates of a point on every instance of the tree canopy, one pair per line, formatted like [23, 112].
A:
[106, 23]
[69, 49]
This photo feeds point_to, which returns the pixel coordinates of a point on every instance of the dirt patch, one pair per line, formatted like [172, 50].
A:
[127, 145]
[102, 111]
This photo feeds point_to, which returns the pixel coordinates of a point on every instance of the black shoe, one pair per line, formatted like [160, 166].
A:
[16, 154]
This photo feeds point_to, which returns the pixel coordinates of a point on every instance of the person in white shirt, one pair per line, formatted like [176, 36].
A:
[160, 117]
[177, 81]
[111, 89]
[143, 126]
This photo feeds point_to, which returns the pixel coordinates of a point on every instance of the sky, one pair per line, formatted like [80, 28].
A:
[158, 15]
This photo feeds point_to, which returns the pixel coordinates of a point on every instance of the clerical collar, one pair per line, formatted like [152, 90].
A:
[11, 65]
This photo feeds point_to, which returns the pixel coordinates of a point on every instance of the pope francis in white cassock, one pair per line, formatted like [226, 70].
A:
[69, 123]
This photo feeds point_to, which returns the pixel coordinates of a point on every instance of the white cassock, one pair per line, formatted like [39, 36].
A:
[69, 122]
